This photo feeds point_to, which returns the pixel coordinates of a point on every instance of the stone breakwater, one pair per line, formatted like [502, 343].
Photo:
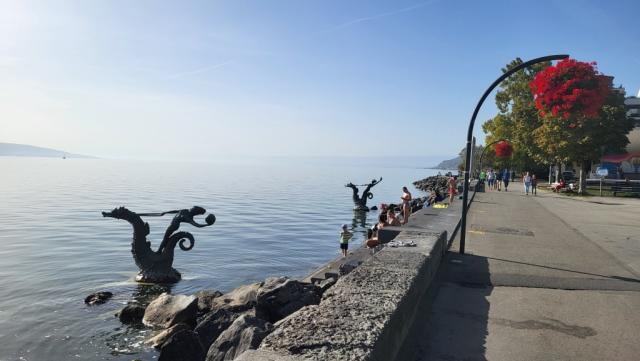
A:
[437, 182]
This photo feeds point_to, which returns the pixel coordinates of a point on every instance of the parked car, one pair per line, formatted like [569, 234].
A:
[568, 175]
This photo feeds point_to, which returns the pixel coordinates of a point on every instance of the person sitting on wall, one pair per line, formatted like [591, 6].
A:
[392, 220]
[434, 196]
[382, 222]
[372, 239]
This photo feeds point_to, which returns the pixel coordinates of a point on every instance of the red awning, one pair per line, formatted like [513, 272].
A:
[619, 158]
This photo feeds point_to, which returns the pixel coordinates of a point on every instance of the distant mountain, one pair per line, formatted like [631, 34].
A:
[24, 150]
[450, 164]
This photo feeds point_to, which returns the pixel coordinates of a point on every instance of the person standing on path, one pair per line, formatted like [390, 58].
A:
[498, 181]
[453, 184]
[491, 177]
[345, 236]
[406, 205]
[534, 184]
[526, 179]
[505, 179]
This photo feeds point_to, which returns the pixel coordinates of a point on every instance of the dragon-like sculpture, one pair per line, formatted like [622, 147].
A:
[157, 266]
[360, 203]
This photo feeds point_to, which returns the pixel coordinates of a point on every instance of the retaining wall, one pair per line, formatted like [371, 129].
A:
[366, 315]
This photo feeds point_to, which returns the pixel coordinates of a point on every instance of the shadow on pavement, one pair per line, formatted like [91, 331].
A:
[619, 278]
[452, 319]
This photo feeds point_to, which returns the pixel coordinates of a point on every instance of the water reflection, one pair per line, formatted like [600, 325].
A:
[359, 219]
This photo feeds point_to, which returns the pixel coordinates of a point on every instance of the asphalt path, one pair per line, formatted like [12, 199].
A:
[544, 277]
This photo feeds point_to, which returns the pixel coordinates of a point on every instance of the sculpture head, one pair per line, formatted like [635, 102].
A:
[118, 213]
[211, 219]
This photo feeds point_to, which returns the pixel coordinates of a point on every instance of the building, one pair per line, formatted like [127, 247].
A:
[633, 112]
[628, 163]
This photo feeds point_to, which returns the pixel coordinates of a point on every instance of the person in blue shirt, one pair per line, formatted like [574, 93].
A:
[505, 179]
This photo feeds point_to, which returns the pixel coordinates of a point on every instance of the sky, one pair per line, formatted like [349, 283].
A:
[200, 79]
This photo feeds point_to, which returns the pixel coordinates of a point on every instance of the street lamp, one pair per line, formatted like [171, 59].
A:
[465, 196]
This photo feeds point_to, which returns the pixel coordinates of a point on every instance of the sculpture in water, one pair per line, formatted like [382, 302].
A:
[360, 203]
[157, 266]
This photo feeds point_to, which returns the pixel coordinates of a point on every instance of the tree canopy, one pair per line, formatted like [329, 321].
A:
[577, 118]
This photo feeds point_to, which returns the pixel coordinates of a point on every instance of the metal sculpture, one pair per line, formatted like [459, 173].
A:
[360, 203]
[157, 266]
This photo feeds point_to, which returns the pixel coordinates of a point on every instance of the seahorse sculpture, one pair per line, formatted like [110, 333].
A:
[360, 203]
[157, 266]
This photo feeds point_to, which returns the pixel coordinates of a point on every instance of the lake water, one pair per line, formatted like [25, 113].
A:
[274, 217]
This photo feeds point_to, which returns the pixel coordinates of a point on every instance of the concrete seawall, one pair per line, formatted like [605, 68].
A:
[367, 314]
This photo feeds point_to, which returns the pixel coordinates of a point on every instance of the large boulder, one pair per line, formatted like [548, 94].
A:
[162, 337]
[245, 333]
[240, 299]
[168, 310]
[280, 297]
[205, 300]
[132, 313]
[182, 346]
[213, 325]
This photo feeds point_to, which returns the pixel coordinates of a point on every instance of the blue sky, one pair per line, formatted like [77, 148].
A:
[191, 80]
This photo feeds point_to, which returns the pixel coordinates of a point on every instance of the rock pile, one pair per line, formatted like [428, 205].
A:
[213, 326]
[438, 182]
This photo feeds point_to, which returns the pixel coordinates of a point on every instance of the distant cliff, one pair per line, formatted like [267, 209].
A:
[24, 150]
[450, 164]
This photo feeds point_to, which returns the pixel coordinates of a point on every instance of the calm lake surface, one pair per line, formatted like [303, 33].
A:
[274, 217]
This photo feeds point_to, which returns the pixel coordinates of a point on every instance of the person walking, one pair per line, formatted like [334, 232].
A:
[491, 177]
[498, 182]
[505, 179]
[526, 180]
[534, 184]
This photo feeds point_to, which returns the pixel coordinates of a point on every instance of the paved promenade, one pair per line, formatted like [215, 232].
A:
[544, 278]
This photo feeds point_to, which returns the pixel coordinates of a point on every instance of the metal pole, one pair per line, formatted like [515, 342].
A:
[473, 154]
[465, 194]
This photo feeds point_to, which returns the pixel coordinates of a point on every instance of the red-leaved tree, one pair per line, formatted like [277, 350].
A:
[571, 90]
[504, 149]
[581, 117]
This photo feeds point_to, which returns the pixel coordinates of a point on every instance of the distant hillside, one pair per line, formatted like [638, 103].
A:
[449, 164]
[24, 150]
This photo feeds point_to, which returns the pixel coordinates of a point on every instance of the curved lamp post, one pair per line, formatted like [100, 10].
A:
[465, 196]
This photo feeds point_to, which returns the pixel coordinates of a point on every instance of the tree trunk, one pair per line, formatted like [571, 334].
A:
[582, 187]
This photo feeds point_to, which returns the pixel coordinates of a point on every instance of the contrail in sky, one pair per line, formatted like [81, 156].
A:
[200, 70]
[377, 16]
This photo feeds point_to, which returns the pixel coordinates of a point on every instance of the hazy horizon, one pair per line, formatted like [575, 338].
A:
[189, 80]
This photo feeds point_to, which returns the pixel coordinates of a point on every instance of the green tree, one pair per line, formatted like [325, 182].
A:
[589, 139]
[517, 117]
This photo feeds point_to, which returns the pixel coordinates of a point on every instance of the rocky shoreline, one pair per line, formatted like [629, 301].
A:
[213, 326]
